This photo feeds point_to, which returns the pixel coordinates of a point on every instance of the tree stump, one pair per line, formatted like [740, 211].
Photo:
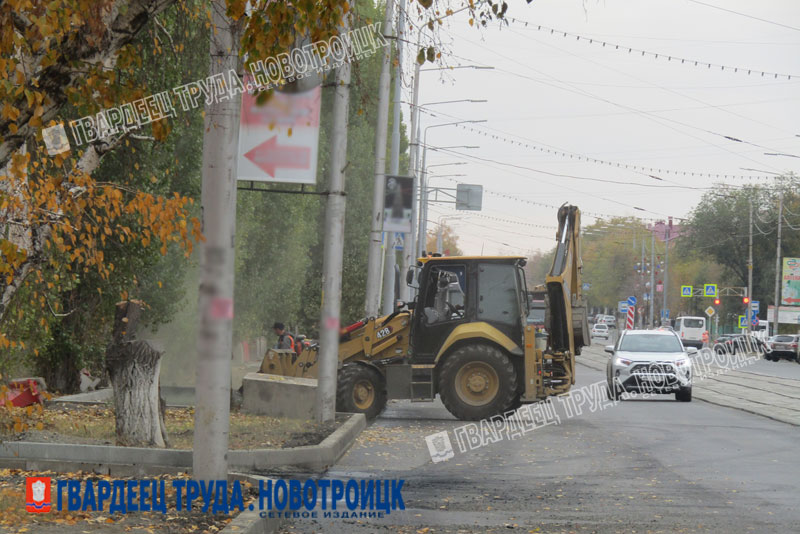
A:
[133, 366]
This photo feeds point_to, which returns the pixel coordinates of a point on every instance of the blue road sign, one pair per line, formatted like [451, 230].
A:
[686, 291]
[631, 301]
[755, 305]
[586, 286]
[665, 314]
[710, 290]
[742, 321]
[622, 306]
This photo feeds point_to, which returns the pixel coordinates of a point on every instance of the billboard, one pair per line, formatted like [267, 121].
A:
[790, 288]
[397, 201]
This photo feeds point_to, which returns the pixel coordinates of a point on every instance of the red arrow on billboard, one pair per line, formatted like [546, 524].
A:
[791, 299]
[269, 156]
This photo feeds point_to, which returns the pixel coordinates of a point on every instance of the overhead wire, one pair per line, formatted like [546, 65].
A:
[656, 55]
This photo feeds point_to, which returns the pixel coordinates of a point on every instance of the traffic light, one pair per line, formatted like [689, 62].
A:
[716, 302]
[746, 301]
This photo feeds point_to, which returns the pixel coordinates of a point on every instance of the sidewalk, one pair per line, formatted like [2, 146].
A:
[773, 397]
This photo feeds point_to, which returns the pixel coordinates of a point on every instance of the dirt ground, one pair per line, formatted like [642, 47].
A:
[15, 519]
[95, 425]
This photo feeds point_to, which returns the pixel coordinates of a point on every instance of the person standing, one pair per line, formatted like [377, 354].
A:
[285, 339]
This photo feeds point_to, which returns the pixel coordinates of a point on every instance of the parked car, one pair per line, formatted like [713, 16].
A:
[650, 361]
[783, 346]
[600, 331]
[744, 343]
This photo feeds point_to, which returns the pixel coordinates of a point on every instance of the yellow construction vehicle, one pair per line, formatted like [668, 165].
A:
[465, 337]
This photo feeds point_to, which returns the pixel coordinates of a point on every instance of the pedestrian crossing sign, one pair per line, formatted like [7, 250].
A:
[742, 321]
[686, 291]
[710, 290]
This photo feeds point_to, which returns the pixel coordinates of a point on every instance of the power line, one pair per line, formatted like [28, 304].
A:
[745, 15]
[655, 55]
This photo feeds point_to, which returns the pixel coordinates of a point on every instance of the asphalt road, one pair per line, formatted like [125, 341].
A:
[645, 466]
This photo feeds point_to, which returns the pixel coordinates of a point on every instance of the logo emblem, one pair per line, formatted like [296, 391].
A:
[439, 446]
[55, 139]
[37, 494]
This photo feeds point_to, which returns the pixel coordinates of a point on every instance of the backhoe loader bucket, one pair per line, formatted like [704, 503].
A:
[286, 362]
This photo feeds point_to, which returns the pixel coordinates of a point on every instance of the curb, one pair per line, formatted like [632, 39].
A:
[132, 461]
[249, 521]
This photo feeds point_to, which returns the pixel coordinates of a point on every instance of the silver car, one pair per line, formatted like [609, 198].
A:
[649, 361]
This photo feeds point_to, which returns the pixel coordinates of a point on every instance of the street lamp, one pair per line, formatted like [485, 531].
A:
[423, 211]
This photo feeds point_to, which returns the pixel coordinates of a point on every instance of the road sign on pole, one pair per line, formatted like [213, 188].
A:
[631, 301]
[710, 311]
[742, 321]
[278, 141]
[622, 306]
[755, 305]
[710, 290]
[686, 291]
[631, 317]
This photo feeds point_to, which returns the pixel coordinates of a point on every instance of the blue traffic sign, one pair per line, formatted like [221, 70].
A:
[586, 286]
[631, 301]
[755, 305]
[710, 290]
[686, 291]
[622, 306]
[742, 321]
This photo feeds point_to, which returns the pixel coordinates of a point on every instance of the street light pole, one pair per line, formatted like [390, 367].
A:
[778, 266]
[424, 196]
[750, 270]
[374, 256]
[390, 255]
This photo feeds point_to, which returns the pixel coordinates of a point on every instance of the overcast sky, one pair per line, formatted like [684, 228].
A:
[577, 97]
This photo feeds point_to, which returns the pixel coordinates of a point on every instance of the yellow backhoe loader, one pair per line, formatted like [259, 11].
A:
[465, 337]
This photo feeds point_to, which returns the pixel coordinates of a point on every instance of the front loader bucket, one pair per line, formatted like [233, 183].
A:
[285, 362]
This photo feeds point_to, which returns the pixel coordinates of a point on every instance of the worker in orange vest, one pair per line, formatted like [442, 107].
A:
[705, 337]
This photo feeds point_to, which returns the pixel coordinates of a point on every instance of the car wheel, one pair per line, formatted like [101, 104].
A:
[684, 394]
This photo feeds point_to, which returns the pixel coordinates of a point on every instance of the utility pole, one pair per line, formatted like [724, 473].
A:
[390, 260]
[652, 276]
[374, 256]
[641, 279]
[215, 300]
[666, 269]
[750, 270]
[778, 265]
[325, 409]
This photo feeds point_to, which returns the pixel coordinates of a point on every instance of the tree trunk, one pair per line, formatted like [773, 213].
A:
[133, 366]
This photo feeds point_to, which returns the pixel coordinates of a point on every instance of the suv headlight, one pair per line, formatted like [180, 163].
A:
[623, 361]
[683, 362]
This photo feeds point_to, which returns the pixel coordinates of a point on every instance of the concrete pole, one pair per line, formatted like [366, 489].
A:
[390, 261]
[325, 409]
[375, 256]
[410, 245]
[750, 270]
[778, 266]
[215, 301]
[439, 244]
[666, 267]
[423, 204]
[641, 281]
[652, 276]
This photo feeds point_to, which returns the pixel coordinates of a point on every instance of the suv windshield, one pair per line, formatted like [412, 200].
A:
[650, 343]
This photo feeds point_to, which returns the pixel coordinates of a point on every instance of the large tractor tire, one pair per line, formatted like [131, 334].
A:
[477, 382]
[360, 389]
